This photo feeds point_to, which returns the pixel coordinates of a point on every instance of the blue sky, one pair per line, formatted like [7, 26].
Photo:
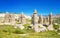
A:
[27, 6]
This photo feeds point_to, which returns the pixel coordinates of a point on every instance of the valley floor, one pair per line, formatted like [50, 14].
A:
[9, 32]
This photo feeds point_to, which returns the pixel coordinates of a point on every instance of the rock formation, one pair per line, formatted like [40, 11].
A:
[22, 19]
[35, 21]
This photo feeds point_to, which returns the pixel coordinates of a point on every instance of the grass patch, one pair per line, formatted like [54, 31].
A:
[8, 31]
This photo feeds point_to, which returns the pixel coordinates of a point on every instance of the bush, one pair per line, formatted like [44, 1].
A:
[19, 31]
[26, 25]
[56, 27]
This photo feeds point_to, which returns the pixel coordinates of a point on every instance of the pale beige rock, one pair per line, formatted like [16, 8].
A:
[42, 28]
[34, 17]
[50, 18]
[9, 18]
[35, 28]
[50, 27]
[44, 21]
[40, 19]
[1, 19]
[35, 21]
[59, 27]
[22, 19]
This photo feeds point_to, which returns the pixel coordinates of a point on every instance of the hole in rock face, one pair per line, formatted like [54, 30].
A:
[29, 27]
[45, 25]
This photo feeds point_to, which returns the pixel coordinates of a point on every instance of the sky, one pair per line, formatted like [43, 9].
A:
[43, 7]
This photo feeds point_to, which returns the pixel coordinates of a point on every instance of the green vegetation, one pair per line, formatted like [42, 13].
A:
[56, 27]
[48, 34]
[57, 20]
[26, 25]
[7, 35]
[28, 20]
[8, 31]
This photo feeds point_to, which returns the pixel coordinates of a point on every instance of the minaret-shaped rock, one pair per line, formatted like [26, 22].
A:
[50, 27]
[22, 19]
[44, 20]
[9, 18]
[35, 21]
[50, 18]
[47, 21]
[34, 18]
[6, 17]
[40, 19]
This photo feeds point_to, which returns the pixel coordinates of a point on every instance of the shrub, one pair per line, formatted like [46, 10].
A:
[19, 31]
[56, 27]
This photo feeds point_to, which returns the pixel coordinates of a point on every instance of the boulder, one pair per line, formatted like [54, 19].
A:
[50, 27]
[21, 27]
